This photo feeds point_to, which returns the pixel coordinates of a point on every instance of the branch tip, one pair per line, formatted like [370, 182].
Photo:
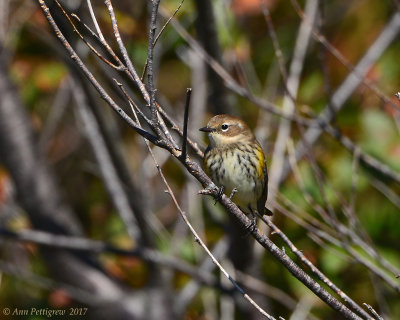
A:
[185, 123]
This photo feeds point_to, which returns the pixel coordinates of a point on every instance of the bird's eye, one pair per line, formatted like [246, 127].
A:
[224, 127]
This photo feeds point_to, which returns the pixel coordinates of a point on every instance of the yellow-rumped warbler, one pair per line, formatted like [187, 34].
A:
[234, 160]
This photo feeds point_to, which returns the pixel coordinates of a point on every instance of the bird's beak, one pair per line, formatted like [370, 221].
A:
[206, 129]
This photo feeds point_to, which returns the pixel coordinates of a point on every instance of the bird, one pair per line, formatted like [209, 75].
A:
[235, 161]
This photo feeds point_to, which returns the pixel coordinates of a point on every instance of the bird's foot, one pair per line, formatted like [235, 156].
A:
[234, 190]
[219, 195]
[252, 227]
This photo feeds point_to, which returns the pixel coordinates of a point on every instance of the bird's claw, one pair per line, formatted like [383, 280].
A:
[252, 227]
[219, 195]
[234, 190]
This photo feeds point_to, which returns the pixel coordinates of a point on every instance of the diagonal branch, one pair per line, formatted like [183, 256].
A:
[352, 81]
[315, 270]
[107, 168]
[159, 34]
[104, 95]
[293, 81]
[157, 124]
[124, 52]
[335, 52]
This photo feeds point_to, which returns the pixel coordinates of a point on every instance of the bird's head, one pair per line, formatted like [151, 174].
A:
[224, 129]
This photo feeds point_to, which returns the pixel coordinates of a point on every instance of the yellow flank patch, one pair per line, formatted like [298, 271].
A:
[261, 159]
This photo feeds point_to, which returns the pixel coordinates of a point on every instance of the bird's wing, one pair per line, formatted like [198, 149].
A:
[206, 169]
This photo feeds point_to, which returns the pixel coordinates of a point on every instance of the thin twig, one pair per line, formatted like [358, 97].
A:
[352, 81]
[360, 75]
[372, 310]
[387, 192]
[159, 34]
[185, 122]
[156, 120]
[315, 270]
[112, 181]
[275, 43]
[108, 48]
[117, 67]
[230, 82]
[74, 292]
[84, 245]
[150, 53]
[127, 96]
[104, 95]
[175, 127]
[124, 52]
[354, 188]
[100, 34]
[293, 81]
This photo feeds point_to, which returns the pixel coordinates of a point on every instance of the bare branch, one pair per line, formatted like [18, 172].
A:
[112, 181]
[275, 43]
[365, 158]
[159, 34]
[185, 123]
[94, 82]
[124, 52]
[354, 306]
[391, 29]
[150, 51]
[296, 66]
[81, 244]
[375, 314]
[230, 82]
[176, 128]
[353, 80]
[208, 36]
[117, 67]
[100, 34]
[283, 258]
[102, 40]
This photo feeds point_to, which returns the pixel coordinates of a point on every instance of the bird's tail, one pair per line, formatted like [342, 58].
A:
[267, 212]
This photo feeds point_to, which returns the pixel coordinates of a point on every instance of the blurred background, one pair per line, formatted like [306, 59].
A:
[77, 183]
